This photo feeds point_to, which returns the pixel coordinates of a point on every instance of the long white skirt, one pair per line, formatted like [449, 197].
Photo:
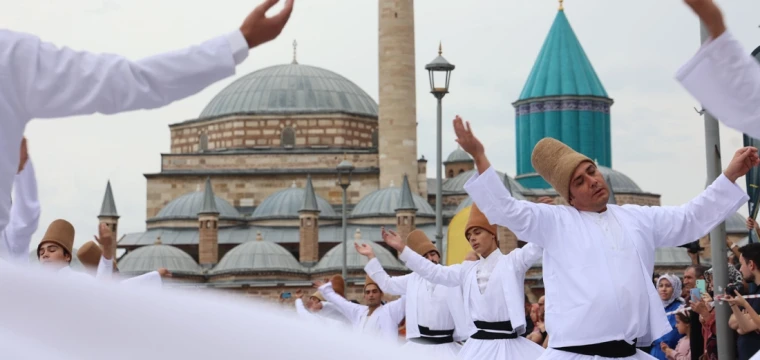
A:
[506, 349]
[449, 351]
[551, 354]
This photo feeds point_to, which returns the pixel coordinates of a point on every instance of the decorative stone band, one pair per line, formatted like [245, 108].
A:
[712, 303]
[539, 106]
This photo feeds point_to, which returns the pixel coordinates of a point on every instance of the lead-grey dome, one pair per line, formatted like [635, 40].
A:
[285, 204]
[736, 224]
[333, 259]
[291, 89]
[152, 257]
[621, 183]
[458, 155]
[259, 256]
[384, 202]
[187, 207]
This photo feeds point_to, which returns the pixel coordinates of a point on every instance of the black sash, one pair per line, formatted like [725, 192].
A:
[611, 349]
[433, 337]
[485, 328]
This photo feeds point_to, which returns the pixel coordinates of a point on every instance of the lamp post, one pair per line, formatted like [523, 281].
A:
[345, 168]
[440, 74]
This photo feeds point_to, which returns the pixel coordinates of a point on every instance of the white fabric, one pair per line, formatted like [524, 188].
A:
[152, 279]
[24, 217]
[322, 316]
[552, 354]
[580, 308]
[436, 307]
[485, 267]
[383, 321]
[40, 80]
[725, 78]
[503, 299]
[161, 324]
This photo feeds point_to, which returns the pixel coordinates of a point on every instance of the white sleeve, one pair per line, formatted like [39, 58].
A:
[725, 79]
[25, 216]
[45, 81]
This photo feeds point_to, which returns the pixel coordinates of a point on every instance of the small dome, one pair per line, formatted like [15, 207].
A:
[384, 202]
[255, 256]
[291, 89]
[152, 257]
[736, 224]
[333, 259]
[458, 155]
[621, 183]
[187, 207]
[285, 204]
[456, 184]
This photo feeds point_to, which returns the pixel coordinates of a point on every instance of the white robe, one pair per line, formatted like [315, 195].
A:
[725, 78]
[161, 324]
[39, 80]
[24, 217]
[439, 307]
[502, 300]
[324, 317]
[383, 321]
[581, 278]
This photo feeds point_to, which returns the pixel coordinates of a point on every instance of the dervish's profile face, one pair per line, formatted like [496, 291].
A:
[588, 190]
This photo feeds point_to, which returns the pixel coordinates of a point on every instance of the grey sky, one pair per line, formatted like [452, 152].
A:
[635, 47]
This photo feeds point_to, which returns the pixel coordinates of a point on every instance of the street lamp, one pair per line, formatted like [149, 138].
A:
[440, 74]
[345, 168]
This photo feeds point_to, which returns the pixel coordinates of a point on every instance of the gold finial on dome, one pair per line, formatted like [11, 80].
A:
[295, 45]
[258, 236]
[358, 234]
[561, 5]
[158, 241]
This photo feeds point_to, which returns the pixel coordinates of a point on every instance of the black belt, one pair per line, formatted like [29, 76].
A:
[433, 337]
[611, 349]
[485, 327]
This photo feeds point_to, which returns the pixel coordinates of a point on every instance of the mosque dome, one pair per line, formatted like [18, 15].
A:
[291, 89]
[736, 224]
[259, 256]
[333, 259]
[621, 183]
[152, 257]
[458, 155]
[187, 207]
[384, 202]
[286, 203]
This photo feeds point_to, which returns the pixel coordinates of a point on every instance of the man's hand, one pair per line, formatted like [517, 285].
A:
[546, 200]
[23, 156]
[365, 250]
[299, 294]
[751, 223]
[164, 272]
[393, 239]
[744, 159]
[710, 14]
[466, 139]
[258, 28]
[317, 284]
[106, 241]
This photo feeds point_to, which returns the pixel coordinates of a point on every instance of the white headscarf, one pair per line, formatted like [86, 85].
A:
[675, 282]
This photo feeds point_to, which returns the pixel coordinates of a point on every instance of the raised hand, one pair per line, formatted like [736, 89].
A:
[299, 294]
[751, 223]
[164, 272]
[258, 28]
[466, 139]
[744, 159]
[365, 250]
[546, 200]
[106, 241]
[710, 14]
[317, 283]
[393, 239]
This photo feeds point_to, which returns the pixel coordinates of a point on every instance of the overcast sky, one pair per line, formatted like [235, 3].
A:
[635, 47]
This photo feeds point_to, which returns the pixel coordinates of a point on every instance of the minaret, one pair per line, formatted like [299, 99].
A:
[406, 213]
[397, 104]
[563, 98]
[109, 215]
[208, 226]
[507, 239]
[308, 230]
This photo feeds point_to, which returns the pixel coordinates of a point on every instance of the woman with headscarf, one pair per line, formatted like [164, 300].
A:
[669, 288]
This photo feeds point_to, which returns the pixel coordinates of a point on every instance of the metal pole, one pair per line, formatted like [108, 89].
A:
[345, 240]
[439, 184]
[718, 234]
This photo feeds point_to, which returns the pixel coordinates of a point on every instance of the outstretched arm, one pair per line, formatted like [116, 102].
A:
[25, 215]
[392, 285]
[723, 75]
[348, 309]
[523, 258]
[396, 309]
[443, 275]
[527, 220]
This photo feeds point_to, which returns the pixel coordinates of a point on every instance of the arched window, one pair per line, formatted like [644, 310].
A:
[451, 173]
[375, 139]
[202, 142]
[461, 171]
[288, 138]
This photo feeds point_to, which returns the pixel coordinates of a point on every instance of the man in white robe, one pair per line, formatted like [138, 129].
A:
[372, 318]
[599, 258]
[434, 313]
[40, 80]
[55, 250]
[317, 308]
[723, 75]
[91, 254]
[492, 289]
[24, 214]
